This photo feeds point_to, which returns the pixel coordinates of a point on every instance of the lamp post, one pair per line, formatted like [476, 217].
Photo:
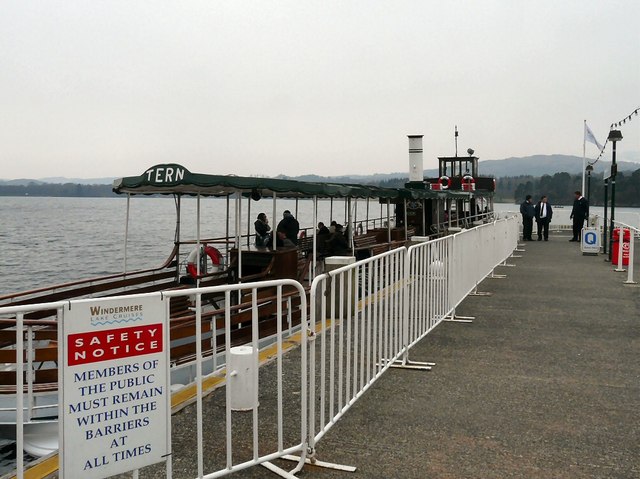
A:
[604, 232]
[614, 137]
[589, 169]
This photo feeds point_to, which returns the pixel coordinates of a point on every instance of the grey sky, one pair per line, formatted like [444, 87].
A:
[109, 88]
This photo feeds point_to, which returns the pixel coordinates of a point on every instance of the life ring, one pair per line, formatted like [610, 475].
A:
[468, 183]
[209, 251]
[494, 185]
[444, 182]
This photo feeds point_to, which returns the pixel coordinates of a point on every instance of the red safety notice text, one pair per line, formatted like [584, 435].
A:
[106, 345]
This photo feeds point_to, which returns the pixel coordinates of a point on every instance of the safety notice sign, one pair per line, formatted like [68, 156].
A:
[115, 392]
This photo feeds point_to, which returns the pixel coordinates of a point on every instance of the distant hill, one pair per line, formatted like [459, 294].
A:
[60, 180]
[536, 165]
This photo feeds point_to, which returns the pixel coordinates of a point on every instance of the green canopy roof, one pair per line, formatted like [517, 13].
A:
[174, 179]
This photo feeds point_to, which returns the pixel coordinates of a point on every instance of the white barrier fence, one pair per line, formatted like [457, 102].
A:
[359, 310]
[372, 312]
[368, 316]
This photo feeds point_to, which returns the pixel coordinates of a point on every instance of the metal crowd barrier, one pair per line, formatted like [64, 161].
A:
[361, 323]
[372, 312]
[364, 319]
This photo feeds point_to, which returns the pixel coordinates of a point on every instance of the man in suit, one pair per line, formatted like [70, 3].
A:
[528, 212]
[543, 218]
[579, 213]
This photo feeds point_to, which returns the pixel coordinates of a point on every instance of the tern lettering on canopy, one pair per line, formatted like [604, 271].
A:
[165, 174]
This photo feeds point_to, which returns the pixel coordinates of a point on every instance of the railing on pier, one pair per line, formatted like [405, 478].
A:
[364, 319]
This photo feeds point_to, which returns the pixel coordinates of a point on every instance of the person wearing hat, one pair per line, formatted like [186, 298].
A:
[290, 226]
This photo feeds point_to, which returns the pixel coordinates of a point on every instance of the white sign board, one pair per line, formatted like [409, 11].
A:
[115, 394]
[590, 243]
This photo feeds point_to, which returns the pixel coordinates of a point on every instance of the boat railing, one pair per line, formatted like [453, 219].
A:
[139, 281]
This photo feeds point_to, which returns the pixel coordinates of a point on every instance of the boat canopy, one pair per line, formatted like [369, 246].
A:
[174, 179]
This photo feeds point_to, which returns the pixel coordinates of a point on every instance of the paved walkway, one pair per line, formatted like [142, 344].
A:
[544, 384]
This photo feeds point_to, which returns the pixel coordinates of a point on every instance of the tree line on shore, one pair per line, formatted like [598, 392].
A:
[55, 189]
[558, 187]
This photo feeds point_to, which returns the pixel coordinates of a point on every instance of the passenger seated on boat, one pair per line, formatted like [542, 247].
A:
[322, 229]
[263, 230]
[337, 244]
[322, 235]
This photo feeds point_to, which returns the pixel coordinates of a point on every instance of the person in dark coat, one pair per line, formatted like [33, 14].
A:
[262, 230]
[322, 229]
[337, 244]
[579, 213]
[528, 213]
[290, 226]
[544, 212]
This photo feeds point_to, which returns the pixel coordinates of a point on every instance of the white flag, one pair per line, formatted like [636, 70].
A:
[590, 137]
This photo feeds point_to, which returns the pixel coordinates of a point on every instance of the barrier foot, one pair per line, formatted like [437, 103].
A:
[460, 319]
[280, 472]
[516, 255]
[421, 366]
[315, 462]
[480, 293]
[630, 282]
[497, 276]
[620, 270]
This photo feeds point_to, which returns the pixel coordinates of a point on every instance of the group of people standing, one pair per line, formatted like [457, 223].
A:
[542, 212]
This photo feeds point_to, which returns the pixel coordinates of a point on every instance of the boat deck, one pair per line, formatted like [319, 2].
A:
[544, 383]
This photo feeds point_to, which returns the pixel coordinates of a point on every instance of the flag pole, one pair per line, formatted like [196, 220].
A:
[584, 153]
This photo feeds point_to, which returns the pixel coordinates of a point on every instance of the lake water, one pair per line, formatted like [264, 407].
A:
[45, 241]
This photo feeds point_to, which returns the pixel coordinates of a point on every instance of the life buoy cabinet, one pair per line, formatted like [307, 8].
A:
[210, 252]
[468, 183]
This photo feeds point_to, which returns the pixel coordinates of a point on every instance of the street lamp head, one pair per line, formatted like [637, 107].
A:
[615, 135]
[589, 168]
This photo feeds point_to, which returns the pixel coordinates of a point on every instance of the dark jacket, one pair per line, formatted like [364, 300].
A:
[290, 226]
[337, 244]
[527, 210]
[580, 208]
[538, 209]
[262, 233]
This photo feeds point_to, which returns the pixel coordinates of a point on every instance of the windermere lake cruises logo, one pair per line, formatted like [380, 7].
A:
[106, 315]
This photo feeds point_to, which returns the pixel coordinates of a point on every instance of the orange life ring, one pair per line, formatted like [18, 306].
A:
[214, 255]
[468, 183]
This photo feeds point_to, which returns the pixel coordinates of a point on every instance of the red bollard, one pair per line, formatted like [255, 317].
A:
[615, 246]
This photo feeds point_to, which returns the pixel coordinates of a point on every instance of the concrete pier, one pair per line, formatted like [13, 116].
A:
[545, 383]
